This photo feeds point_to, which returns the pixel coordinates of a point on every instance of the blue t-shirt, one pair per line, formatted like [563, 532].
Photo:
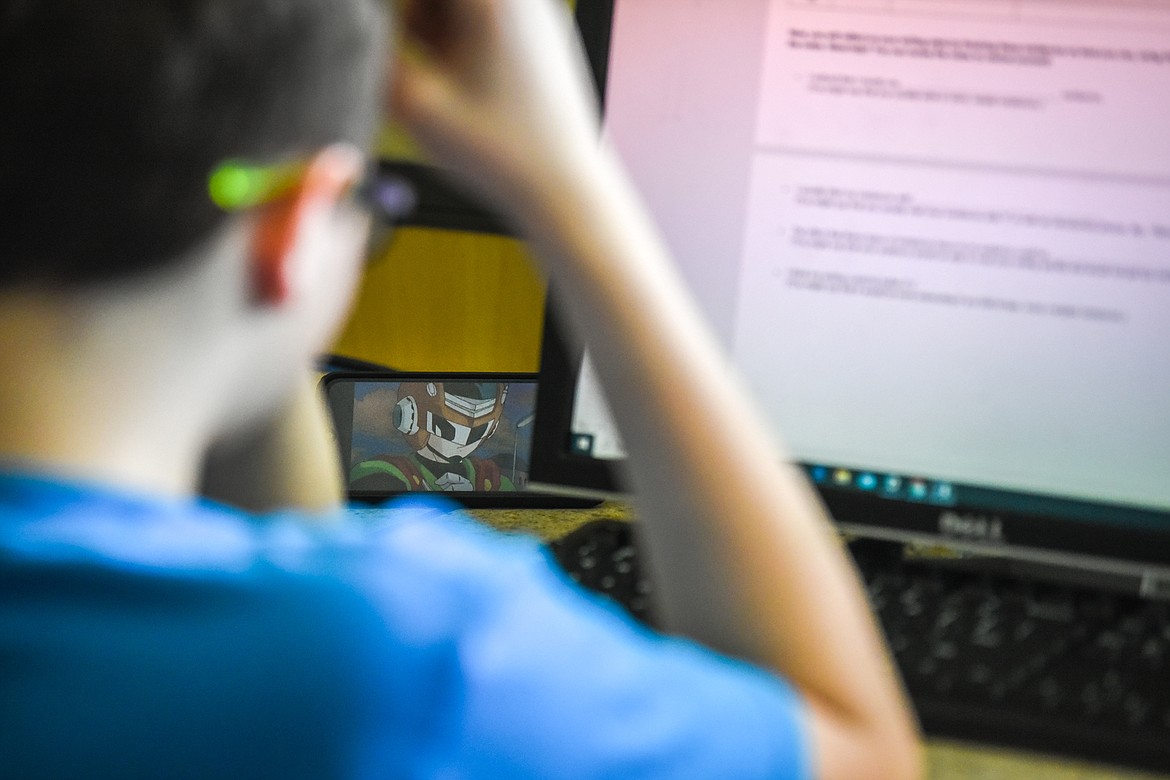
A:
[149, 638]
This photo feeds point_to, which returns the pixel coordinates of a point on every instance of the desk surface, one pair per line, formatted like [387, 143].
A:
[946, 760]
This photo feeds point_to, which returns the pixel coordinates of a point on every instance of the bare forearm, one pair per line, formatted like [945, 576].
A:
[744, 558]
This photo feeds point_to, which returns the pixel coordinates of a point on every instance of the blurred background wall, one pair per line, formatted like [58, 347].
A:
[441, 300]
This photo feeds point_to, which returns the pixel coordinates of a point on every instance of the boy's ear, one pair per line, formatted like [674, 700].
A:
[281, 224]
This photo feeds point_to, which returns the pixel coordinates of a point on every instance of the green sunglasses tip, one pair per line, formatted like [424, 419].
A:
[234, 186]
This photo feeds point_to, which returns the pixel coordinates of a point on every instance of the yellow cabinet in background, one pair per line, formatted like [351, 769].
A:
[441, 300]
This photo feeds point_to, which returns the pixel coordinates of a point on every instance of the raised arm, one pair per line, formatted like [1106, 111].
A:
[744, 560]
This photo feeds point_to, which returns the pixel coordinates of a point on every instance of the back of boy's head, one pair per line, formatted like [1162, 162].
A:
[115, 112]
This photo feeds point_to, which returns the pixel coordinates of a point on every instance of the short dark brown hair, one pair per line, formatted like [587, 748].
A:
[113, 113]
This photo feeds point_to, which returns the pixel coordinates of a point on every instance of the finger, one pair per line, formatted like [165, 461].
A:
[420, 96]
[442, 28]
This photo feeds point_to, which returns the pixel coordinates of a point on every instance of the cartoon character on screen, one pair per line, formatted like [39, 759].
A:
[443, 423]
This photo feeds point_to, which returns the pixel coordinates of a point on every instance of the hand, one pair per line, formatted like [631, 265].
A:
[498, 92]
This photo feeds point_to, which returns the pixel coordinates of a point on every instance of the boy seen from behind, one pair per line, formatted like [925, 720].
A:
[155, 345]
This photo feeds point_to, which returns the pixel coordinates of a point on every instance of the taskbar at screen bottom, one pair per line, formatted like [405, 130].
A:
[921, 490]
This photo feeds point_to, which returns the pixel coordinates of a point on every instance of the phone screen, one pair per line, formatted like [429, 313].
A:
[460, 434]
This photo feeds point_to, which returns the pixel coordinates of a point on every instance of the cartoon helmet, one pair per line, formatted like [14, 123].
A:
[450, 418]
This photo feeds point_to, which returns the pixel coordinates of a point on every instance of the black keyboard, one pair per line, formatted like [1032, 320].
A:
[601, 556]
[992, 657]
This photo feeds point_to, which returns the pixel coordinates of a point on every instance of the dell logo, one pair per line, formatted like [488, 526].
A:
[982, 528]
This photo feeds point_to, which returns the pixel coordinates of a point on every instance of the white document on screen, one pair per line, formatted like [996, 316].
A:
[934, 234]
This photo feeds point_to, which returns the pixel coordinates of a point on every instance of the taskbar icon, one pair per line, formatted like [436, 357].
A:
[581, 444]
[891, 486]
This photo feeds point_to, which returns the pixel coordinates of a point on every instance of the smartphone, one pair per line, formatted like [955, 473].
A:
[465, 436]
